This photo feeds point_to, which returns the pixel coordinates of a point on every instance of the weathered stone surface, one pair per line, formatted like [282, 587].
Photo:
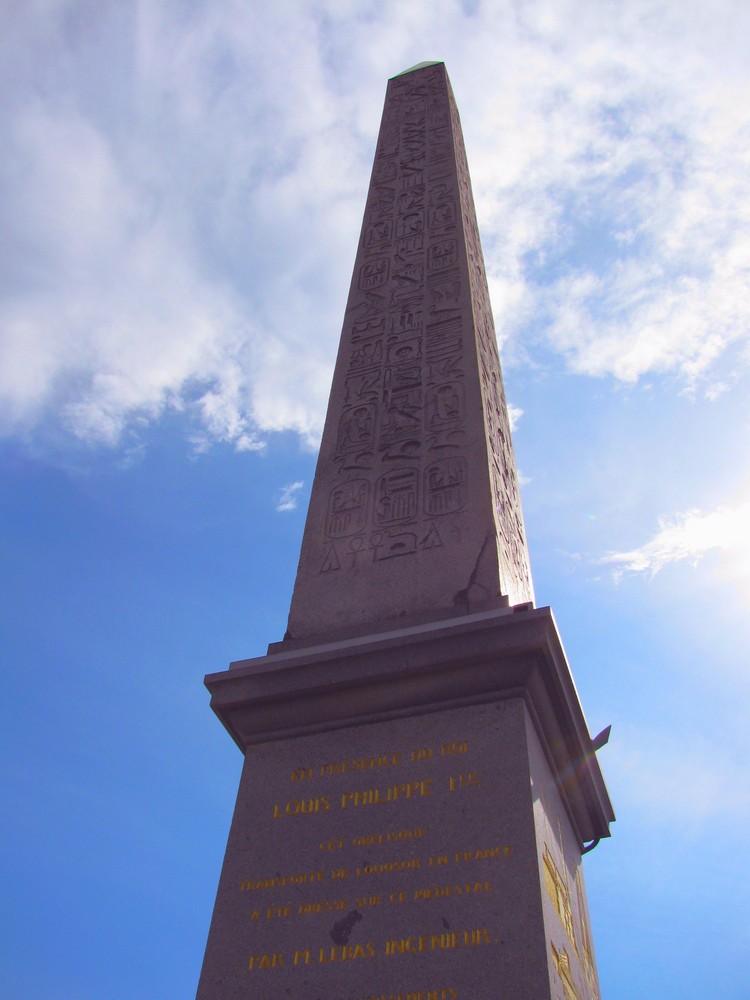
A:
[410, 819]
[419, 780]
[415, 506]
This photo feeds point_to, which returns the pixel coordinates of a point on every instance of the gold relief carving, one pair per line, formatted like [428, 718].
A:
[559, 894]
[396, 496]
[347, 508]
[586, 952]
[445, 483]
[561, 961]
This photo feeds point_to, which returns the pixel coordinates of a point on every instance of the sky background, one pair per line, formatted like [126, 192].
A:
[182, 188]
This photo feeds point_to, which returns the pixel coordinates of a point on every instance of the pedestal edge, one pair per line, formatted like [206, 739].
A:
[491, 656]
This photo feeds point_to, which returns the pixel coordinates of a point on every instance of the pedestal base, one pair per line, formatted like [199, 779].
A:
[410, 819]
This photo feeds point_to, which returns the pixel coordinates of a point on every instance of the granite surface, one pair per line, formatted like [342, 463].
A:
[419, 781]
[415, 504]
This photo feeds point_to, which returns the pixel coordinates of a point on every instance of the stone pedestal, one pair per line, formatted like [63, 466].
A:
[410, 818]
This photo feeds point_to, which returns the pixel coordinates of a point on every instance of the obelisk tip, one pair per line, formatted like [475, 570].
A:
[422, 65]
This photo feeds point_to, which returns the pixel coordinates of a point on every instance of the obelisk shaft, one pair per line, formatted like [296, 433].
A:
[415, 508]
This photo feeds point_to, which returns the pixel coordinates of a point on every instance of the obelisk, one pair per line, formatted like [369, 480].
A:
[419, 780]
[415, 506]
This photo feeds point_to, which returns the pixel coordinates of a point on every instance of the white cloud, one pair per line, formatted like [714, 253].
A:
[514, 415]
[689, 535]
[185, 186]
[288, 498]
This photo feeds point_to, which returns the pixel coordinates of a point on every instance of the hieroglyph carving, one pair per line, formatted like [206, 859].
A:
[512, 549]
[401, 444]
[402, 408]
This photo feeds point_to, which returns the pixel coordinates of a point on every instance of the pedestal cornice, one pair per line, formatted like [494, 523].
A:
[490, 656]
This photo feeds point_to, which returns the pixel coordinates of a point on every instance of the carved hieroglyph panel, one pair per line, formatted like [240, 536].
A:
[417, 430]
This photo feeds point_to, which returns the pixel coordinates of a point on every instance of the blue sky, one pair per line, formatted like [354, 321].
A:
[182, 189]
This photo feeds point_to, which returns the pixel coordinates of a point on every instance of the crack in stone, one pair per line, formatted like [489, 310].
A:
[462, 596]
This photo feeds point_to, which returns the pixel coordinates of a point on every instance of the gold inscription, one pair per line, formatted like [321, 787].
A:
[389, 867]
[372, 839]
[443, 891]
[393, 793]
[322, 906]
[273, 961]
[345, 953]
[412, 945]
[485, 853]
[302, 807]
[380, 868]
[430, 994]
[438, 942]
[375, 762]
[304, 878]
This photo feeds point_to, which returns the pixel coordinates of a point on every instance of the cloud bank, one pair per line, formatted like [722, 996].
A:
[688, 536]
[288, 499]
[183, 187]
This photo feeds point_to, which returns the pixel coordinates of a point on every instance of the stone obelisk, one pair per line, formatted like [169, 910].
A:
[419, 781]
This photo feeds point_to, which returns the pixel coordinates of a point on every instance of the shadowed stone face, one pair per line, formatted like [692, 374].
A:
[415, 507]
